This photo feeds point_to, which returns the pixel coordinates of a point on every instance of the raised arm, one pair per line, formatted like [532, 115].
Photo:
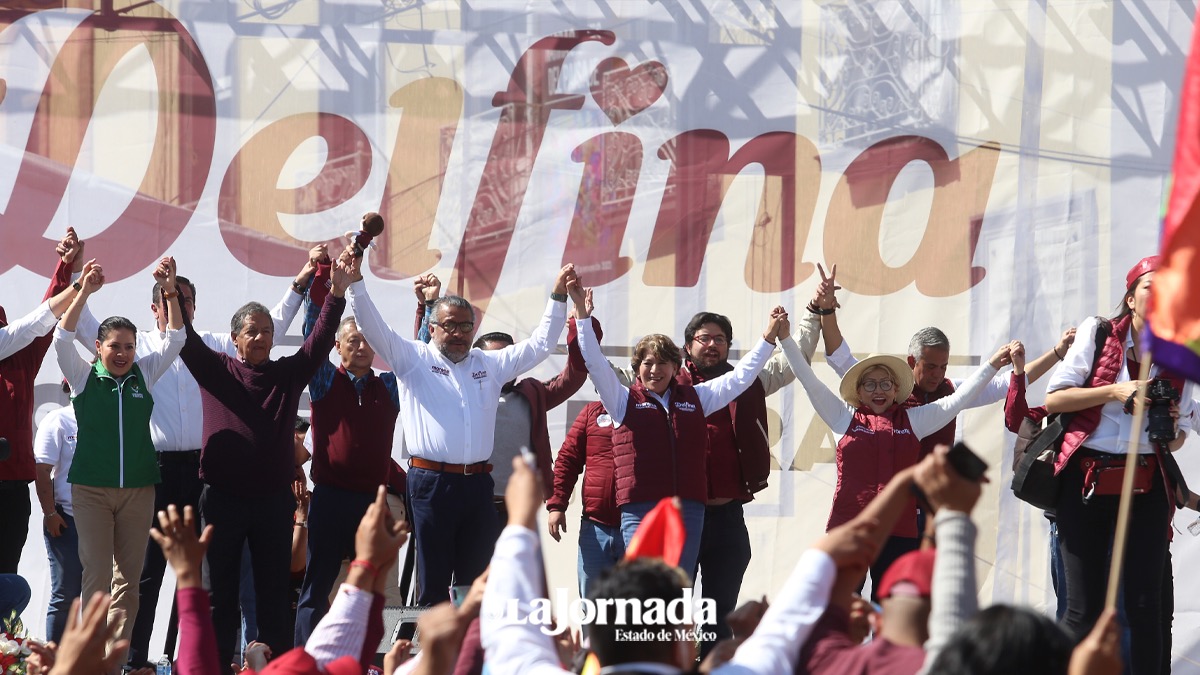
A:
[156, 363]
[833, 410]
[719, 392]
[73, 366]
[613, 394]
[930, 417]
[1042, 364]
[574, 373]
[399, 353]
[427, 288]
[516, 359]
[777, 374]
[321, 380]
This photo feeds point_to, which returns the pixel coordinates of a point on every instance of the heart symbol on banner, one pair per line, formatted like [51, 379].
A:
[622, 93]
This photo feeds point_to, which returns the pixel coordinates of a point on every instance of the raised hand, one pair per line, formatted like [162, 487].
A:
[777, 322]
[82, 649]
[92, 277]
[565, 275]
[318, 254]
[852, 546]
[1064, 343]
[432, 287]
[825, 297]
[379, 535]
[164, 274]
[176, 535]
[70, 250]
[343, 273]
[523, 495]
[581, 297]
[1001, 358]
[1016, 355]
[943, 486]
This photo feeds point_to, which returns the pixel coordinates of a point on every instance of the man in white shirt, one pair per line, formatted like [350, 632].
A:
[449, 392]
[175, 427]
[53, 451]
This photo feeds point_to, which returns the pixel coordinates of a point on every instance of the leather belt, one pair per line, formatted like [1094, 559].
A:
[445, 467]
[179, 457]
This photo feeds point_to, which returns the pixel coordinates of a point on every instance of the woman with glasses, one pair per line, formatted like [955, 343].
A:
[660, 437]
[880, 437]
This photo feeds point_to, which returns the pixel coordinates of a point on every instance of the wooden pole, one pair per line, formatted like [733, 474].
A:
[1131, 457]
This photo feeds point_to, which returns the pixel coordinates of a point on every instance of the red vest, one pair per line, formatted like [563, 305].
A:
[658, 453]
[874, 449]
[943, 436]
[739, 454]
[1108, 369]
[352, 437]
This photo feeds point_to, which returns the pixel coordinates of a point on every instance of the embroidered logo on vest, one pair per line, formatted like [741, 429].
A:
[644, 404]
[685, 406]
[860, 429]
[136, 393]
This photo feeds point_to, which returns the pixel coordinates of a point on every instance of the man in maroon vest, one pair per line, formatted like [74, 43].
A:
[353, 421]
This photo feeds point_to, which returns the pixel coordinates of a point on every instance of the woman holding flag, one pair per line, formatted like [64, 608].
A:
[1100, 389]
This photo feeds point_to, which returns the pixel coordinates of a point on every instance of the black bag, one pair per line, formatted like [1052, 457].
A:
[1037, 448]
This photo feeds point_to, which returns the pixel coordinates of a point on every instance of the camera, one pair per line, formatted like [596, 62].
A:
[1159, 397]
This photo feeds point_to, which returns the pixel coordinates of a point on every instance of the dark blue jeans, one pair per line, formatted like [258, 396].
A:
[14, 594]
[454, 529]
[180, 486]
[333, 517]
[600, 547]
[66, 576]
[724, 557]
[264, 520]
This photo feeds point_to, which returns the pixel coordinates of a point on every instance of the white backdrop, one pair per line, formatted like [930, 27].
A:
[991, 168]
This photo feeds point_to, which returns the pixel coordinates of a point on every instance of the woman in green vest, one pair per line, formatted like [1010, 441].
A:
[115, 468]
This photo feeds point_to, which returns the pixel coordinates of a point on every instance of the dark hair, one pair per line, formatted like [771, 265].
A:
[1124, 308]
[156, 292]
[1002, 640]
[638, 579]
[115, 323]
[301, 425]
[658, 345]
[503, 338]
[702, 318]
[249, 309]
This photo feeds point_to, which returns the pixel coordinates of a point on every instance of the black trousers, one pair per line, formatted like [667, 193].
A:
[724, 557]
[14, 525]
[264, 520]
[1085, 536]
[180, 486]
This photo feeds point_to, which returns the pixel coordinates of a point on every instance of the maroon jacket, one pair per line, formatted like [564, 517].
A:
[589, 443]
[659, 453]
[943, 436]
[739, 452]
[874, 449]
[1016, 409]
[17, 374]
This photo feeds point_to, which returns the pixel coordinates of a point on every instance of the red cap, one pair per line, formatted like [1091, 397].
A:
[1147, 264]
[915, 568]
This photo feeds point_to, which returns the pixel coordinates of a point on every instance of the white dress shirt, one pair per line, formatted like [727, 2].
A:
[924, 419]
[17, 335]
[714, 394]
[177, 421]
[449, 409]
[54, 444]
[1112, 434]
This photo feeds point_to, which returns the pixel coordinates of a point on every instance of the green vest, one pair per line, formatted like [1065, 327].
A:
[114, 448]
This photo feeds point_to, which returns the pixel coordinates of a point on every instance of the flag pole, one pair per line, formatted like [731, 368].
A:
[1131, 457]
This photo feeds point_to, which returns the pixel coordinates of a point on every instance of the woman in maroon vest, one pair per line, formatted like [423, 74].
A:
[1098, 389]
[880, 435]
[660, 438]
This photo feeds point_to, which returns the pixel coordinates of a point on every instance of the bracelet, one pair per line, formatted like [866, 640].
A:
[301, 523]
[49, 515]
[558, 297]
[1055, 350]
[821, 312]
[168, 296]
[366, 565]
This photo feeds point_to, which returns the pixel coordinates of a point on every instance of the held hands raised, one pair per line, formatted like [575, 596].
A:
[164, 274]
[92, 277]
[581, 297]
[70, 250]
[565, 275]
[777, 325]
[1001, 358]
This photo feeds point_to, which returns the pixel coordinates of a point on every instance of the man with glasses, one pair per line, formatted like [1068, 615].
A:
[176, 424]
[448, 398]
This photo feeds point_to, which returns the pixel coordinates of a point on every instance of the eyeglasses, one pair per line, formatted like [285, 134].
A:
[881, 385]
[461, 327]
[718, 340]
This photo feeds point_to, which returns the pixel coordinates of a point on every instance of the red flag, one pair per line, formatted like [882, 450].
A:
[1174, 321]
[660, 535]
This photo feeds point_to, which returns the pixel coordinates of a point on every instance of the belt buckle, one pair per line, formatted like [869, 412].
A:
[467, 470]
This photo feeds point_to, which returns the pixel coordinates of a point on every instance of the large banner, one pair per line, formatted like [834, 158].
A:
[991, 169]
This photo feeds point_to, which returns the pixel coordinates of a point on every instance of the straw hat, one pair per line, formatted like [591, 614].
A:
[899, 368]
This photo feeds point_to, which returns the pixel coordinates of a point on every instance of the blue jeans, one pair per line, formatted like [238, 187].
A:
[693, 525]
[454, 529]
[600, 547]
[14, 594]
[66, 576]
